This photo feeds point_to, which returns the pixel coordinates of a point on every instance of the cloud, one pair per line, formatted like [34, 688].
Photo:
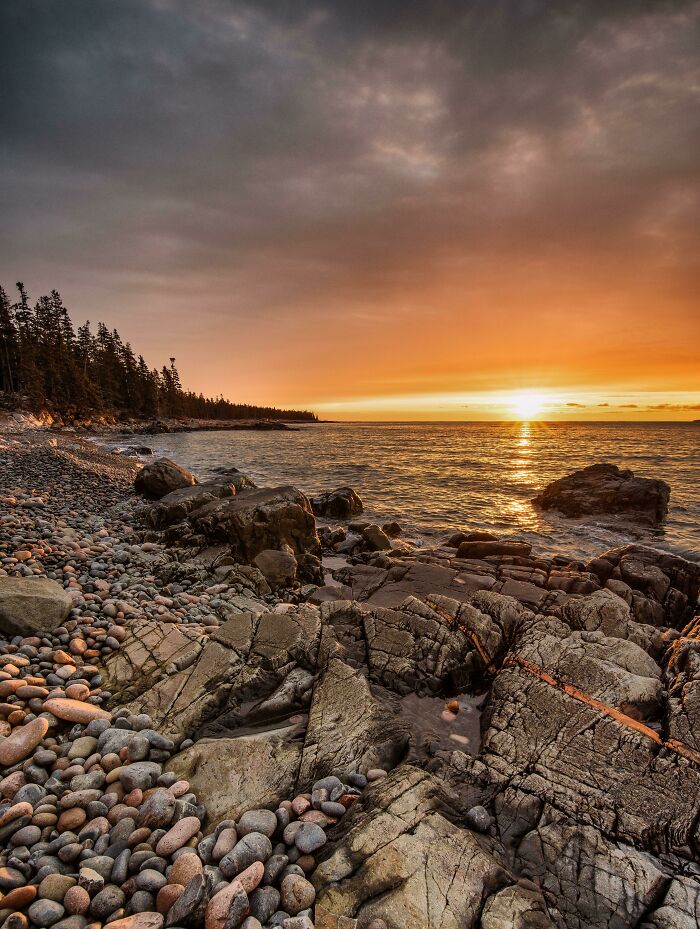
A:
[396, 184]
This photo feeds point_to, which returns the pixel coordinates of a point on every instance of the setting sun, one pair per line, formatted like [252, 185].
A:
[527, 404]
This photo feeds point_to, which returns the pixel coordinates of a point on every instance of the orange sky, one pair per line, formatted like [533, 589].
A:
[376, 210]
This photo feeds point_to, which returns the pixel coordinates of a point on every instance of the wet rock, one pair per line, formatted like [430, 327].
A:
[342, 503]
[605, 488]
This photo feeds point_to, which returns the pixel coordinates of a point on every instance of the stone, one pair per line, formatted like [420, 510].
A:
[252, 848]
[231, 899]
[55, 887]
[161, 477]
[605, 488]
[256, 520]
[263, 821]
[309, 838]
[45, 912]
[22, 741]
[484, 549]
[32, 606]
[341, 503]
[350, 728]
[237, 774]
[278, 568]
[178, 835]
[139, 921]
[75, 711]
[376, 538]
[175, 506]
[296, 894]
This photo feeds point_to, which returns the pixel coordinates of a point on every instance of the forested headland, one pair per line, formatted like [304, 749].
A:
[47, 364]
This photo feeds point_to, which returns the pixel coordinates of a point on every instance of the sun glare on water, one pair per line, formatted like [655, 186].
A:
[528, 404]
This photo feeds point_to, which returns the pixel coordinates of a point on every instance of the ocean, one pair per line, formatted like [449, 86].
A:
[439, 477]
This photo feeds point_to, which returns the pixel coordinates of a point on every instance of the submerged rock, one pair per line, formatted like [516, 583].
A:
[605, 488]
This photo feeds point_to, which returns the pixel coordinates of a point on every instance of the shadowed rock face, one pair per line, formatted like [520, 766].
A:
[341, 503]
[255, 520]
[604, 488]
[175, 506]
[588, 769]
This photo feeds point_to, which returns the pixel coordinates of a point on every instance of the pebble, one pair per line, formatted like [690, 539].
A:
[91, 830]
[22, 742]
[296, 894]
[178, 835]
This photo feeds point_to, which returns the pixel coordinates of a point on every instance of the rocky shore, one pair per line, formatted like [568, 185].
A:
[214, 714]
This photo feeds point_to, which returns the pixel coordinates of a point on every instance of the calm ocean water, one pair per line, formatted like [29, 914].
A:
[435, 477]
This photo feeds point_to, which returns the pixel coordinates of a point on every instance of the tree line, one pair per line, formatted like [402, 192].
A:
[45, 363]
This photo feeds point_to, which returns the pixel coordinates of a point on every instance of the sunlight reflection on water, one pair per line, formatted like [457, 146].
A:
[434, 477]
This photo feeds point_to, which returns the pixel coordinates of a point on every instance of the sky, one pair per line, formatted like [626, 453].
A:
[378, 209]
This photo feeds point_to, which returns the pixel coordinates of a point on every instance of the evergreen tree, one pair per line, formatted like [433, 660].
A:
[47, 364]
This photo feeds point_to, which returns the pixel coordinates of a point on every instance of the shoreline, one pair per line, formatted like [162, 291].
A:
[270, 693]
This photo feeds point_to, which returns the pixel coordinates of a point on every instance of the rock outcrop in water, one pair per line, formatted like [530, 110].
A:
[605, 488]
[186, 748]
[342, 503]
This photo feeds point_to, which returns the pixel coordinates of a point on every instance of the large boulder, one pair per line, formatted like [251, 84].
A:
[178, 504]
[32, 606]
[256, 520]
[161, 477]
[605, 488]
[341, 503]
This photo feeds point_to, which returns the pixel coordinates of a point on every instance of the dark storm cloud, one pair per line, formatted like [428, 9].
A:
[320, 158]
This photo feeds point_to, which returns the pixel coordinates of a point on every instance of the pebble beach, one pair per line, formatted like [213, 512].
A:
[93, 829]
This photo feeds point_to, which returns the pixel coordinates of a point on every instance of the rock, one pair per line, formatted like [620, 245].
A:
[376, 538]
[278, 568]
[175, 506]
[75, 711]
[45, 912]
[161, 477]
[139, 921]
[403, 844]
[605, 488]
[231, 900]
[484, 549]
[341, 503]
[178, 835]
[22, 742]
[256, 520]
[32, 606]
[296, 894]
[309, 838]
[55, 887]
[263, 821]
[237, 774]
[349, 728]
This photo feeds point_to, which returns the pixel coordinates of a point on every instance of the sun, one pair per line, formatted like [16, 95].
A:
[527, 404]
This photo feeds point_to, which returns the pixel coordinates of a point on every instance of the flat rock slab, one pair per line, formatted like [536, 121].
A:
[233, 776]
[32, 606]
